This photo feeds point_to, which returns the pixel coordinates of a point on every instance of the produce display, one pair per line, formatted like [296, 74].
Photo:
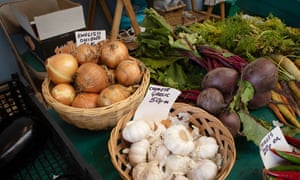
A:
[228, 67]
[171, 149]
[92, 76]
[188, 144]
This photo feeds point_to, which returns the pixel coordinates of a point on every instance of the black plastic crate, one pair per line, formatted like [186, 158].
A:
[46, 153]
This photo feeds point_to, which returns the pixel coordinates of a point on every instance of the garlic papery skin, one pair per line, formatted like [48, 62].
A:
[138, 152]
[177, 164]
[180, 177]
[147, 171]
[155, 134]
[158, 151]
[178, 139]
[205, 148]
[136, 130]
[204, 170]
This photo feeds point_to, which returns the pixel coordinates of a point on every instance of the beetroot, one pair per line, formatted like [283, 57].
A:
[224, 79]
[259, 100]
[211, 100]
[262, 74]
[232, 121]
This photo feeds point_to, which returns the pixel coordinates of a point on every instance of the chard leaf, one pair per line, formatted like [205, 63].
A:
[247, 93]
[244, 94]
[160, 63]
[174, 76]
[252, 129]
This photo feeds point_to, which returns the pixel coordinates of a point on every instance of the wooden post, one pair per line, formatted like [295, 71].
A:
[117, 18]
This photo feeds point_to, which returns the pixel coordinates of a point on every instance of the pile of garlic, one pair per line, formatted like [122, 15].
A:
[170, 149]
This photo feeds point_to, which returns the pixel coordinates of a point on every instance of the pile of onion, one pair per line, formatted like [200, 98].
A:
[94, 75]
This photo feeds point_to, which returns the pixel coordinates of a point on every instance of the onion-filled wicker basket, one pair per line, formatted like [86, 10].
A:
[98, 118]
[208, 125]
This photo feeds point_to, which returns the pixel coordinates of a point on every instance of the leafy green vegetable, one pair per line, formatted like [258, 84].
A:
[252, 129]
[158, 49]
[251, 36]
[244, 94]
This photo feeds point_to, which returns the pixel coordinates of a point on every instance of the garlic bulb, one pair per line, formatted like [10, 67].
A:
[204, 170]
[135, 131]
[147, 171]
[158, 151]
[178, 139]
[155, 134]
[138, 152]
[177, 164]
[181, 118]
[206, 148]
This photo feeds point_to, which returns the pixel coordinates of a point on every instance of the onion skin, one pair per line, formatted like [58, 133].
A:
[86, 53]
[61, 68]
[129, 72]
[224, 79]
[112, 94]
[262, 74]
[85, 100]
[91, 78]
[64, 93]
[113, 52]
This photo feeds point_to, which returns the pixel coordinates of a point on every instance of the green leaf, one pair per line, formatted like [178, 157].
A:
[252, 129]
[244, 94]
[247, 92]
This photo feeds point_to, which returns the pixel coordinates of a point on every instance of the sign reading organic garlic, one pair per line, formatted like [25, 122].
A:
[89, 37]
[157, 103]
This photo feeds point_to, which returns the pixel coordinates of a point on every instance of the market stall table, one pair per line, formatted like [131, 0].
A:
[92, 145]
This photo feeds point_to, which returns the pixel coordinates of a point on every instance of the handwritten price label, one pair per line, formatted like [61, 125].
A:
[274, 139]
[157, 103]
[89, 37]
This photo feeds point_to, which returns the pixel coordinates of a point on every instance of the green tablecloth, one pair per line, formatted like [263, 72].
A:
[92, 145]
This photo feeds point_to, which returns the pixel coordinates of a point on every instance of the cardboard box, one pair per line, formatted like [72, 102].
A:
[50, 27]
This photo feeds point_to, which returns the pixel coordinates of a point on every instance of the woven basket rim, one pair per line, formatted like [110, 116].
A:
[115, 136]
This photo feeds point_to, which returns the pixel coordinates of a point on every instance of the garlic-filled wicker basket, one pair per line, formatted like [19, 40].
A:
[208, 125]
[97, 118]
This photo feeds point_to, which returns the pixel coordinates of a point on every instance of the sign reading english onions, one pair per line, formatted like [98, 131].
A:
[90, 37]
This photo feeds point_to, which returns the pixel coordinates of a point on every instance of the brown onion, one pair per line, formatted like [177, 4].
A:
[91, 77]
[86, 53]
[61, 68]
[64, 93]
[85, 100]
[129, 72]
[113, 52]
[113, 93]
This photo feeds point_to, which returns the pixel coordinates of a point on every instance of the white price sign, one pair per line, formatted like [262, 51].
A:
[89, 37]
[274, 139]
[157, 103]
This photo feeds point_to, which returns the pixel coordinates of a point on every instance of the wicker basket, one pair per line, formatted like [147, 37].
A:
[97, 118]
[173, 15]
[207, 124]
